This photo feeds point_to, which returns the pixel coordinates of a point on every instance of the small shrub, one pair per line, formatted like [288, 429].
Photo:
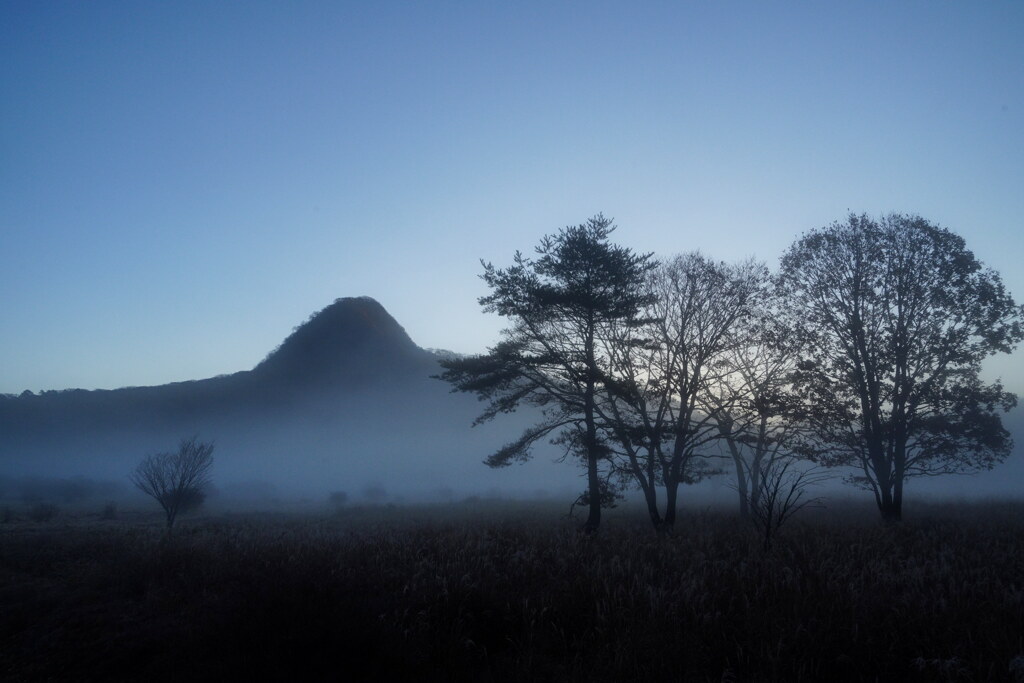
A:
[109, 511]
[42, 512]
[374, 493]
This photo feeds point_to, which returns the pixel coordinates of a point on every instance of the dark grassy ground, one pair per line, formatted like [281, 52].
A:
[512, 593]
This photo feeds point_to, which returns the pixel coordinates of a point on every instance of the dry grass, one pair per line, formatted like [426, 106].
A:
[513, 593]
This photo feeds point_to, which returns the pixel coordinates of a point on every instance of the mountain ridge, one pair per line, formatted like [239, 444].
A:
[352, 346]
[308, 345]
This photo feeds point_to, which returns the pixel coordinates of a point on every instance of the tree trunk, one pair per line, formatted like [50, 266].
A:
[671, 489]
[741, 489]
[756, 486]
[899, 474]
[891, 512]
[889, 485]
[594, 488]
[760, 450]
[651, 497]
[885, 481]
[741, 477]
[891, 506]
[897, 499]
[593, 479]
[593, 476]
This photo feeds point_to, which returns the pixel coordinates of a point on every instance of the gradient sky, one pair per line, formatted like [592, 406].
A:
[183, 183]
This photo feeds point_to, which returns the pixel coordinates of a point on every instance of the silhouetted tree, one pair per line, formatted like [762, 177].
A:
[751, 399]
[898, 315]
[176, 480]
[656, 397]
[374, 493]
[558, 304]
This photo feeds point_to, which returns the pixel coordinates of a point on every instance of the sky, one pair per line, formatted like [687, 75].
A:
[181, 184]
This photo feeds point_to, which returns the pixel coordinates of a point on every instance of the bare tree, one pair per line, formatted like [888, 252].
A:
[752, 400]
[653, 407]
[176, 480]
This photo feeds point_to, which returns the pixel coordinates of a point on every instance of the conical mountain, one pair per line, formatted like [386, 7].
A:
[350, 347]
[353, 340]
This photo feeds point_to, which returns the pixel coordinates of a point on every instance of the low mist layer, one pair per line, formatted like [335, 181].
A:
[346, 403]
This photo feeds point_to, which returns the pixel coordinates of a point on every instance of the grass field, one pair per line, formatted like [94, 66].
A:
[511, 592]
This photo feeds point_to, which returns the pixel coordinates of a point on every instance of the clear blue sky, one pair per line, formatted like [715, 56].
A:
[182, 183]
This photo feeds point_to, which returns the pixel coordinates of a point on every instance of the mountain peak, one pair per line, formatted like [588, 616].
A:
[353, 338]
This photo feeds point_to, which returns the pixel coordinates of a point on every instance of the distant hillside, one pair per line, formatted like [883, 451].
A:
[346, 399]
[350, 346]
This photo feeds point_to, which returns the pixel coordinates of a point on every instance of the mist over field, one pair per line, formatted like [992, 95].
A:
[347, 402]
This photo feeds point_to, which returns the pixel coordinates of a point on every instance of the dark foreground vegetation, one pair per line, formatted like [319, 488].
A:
[504, 592]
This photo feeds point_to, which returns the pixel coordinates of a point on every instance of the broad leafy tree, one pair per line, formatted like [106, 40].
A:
[898, 315]
[559, 305]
